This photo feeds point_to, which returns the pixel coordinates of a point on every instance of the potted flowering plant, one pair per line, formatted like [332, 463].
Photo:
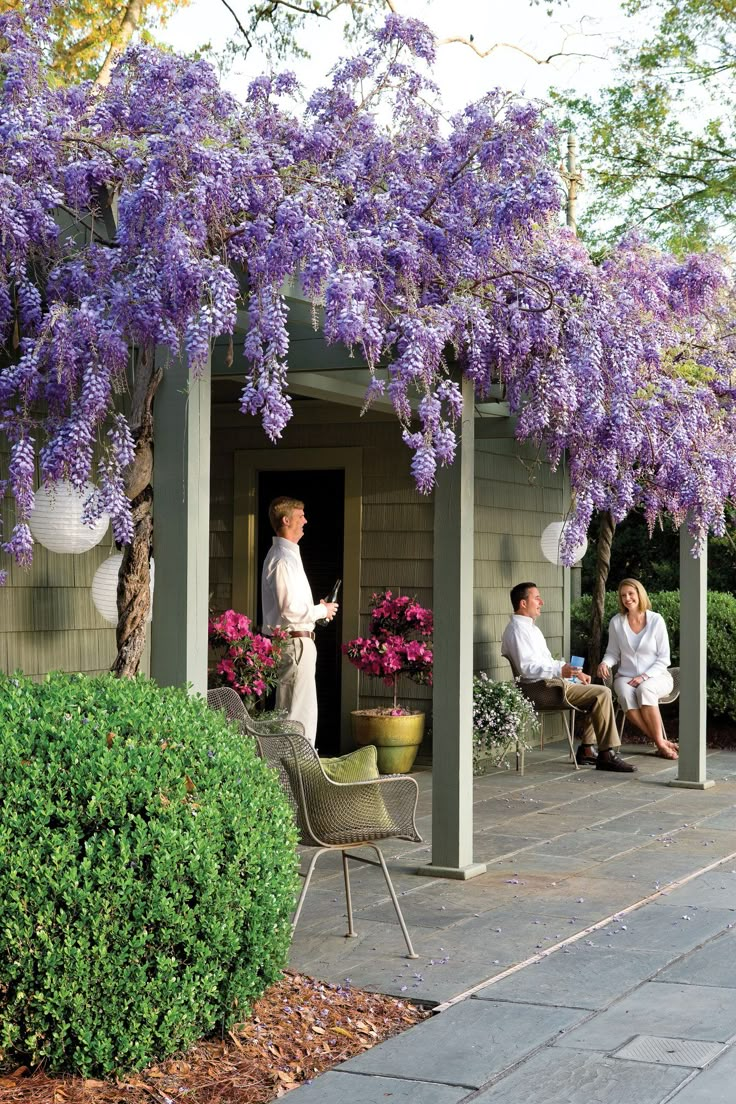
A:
[503, 721]
[248, 661]
[399, 643]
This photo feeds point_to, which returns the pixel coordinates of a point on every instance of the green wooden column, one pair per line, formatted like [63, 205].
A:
[691, 770]
[452, 697]
[181, 520]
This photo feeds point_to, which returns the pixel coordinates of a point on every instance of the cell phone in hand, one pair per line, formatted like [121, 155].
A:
[576, 661]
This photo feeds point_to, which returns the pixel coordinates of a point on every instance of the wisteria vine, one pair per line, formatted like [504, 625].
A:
[433, 247]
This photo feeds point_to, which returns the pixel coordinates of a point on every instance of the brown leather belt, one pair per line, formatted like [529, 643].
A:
[295, 632]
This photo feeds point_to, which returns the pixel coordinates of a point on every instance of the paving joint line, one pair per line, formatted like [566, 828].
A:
[542, 955]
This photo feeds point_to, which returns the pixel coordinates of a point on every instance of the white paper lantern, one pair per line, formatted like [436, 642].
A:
[552, 541]
[56, 519]
[105, 588]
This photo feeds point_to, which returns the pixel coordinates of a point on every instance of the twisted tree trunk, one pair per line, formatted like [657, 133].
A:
[134, 586]
[602, 566]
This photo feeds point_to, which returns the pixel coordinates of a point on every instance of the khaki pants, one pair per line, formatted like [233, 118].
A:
[598, 717]
[297, 689]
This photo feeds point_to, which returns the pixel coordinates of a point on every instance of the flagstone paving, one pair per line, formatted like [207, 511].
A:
[595, 957]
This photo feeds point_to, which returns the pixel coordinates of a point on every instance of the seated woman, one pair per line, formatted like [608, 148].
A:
[639, 646]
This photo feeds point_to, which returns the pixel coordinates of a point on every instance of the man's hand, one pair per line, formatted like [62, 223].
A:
[331, 608]
[568, 671]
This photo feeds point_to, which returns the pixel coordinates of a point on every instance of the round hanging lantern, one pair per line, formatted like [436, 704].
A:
[105, 588]
[551, 543]
[56, 519]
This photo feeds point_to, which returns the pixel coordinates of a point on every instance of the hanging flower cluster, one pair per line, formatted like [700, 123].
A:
[400, 642]
[249, 661]
[142, 215]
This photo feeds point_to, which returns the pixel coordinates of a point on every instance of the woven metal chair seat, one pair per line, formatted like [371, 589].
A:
[549, 696]
[341, 815]
[666, 699]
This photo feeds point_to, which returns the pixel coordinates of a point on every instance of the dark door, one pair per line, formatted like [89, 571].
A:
[321, 547]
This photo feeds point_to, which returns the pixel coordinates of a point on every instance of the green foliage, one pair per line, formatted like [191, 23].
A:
[147, 877]
[721, 640]
[656, 559]
[502, 716]
[659, 142]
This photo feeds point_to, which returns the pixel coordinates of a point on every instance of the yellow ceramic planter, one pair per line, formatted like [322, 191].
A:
[396, 739]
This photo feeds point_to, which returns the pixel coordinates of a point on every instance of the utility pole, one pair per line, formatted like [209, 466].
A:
[573, 178]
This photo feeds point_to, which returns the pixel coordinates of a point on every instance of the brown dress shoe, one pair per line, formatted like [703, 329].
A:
[586, 754]
[611, 760]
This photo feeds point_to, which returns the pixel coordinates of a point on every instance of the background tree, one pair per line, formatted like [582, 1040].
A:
[655, 559]
[87, 35]
[660, 140]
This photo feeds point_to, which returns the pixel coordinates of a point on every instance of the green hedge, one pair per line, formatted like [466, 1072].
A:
[148, 871]
[721, 685]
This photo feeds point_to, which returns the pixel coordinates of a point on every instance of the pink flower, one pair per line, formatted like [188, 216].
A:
[399, 643]
[249, 662]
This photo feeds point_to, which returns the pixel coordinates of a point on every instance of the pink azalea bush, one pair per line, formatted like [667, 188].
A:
[400, 643]
[250, 661]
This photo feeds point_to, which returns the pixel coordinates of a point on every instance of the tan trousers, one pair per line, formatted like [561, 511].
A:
[297, 689]
[598, 719]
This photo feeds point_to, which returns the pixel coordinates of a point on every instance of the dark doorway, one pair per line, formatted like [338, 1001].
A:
[321, 547]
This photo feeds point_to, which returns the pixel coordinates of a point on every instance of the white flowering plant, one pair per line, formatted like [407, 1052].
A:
[502, 720]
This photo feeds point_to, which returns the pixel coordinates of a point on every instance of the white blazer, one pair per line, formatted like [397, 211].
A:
[645, 654]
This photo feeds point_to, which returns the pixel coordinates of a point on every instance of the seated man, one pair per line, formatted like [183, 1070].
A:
[524, 643]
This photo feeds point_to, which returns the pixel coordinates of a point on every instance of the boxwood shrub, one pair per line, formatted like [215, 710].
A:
[721, 640]
[148, 871]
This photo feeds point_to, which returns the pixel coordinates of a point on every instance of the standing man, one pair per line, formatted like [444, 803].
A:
[288, 604]
[524, 644]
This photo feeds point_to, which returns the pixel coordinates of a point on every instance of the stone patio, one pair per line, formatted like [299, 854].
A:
[596, 955]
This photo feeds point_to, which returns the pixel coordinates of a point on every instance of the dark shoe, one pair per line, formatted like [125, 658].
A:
[611, 760]
[586, 754]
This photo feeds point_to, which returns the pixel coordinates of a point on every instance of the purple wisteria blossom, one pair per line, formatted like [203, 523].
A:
[433, 247]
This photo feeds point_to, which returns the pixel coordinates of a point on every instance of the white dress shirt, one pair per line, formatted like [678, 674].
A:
[645, 653]
[524, 643]
[285, 591]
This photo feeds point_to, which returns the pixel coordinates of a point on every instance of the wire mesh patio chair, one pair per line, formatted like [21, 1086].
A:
[342, 816]
[666, 699]
[232, 705]
[229, 702]
[549, 696]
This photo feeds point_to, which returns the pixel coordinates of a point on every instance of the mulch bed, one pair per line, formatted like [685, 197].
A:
[299, 1028]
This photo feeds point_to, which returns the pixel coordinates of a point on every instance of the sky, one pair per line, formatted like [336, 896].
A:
[461, 75]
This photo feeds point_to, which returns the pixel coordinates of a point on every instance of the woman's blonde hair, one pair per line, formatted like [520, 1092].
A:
[644, 603]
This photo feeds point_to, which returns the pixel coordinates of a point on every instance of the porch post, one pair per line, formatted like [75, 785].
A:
[181, 511]
[693, 698]
[452, 698]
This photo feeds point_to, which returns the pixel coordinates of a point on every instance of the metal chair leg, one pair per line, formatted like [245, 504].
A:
[351, 933]
[570, 730]
[394, 898]
[305, 887]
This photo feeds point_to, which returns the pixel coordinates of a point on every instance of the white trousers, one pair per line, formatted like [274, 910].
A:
[297, 689]
[646, 693]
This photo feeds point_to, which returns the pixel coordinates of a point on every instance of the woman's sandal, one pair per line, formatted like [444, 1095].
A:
[666, 753]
